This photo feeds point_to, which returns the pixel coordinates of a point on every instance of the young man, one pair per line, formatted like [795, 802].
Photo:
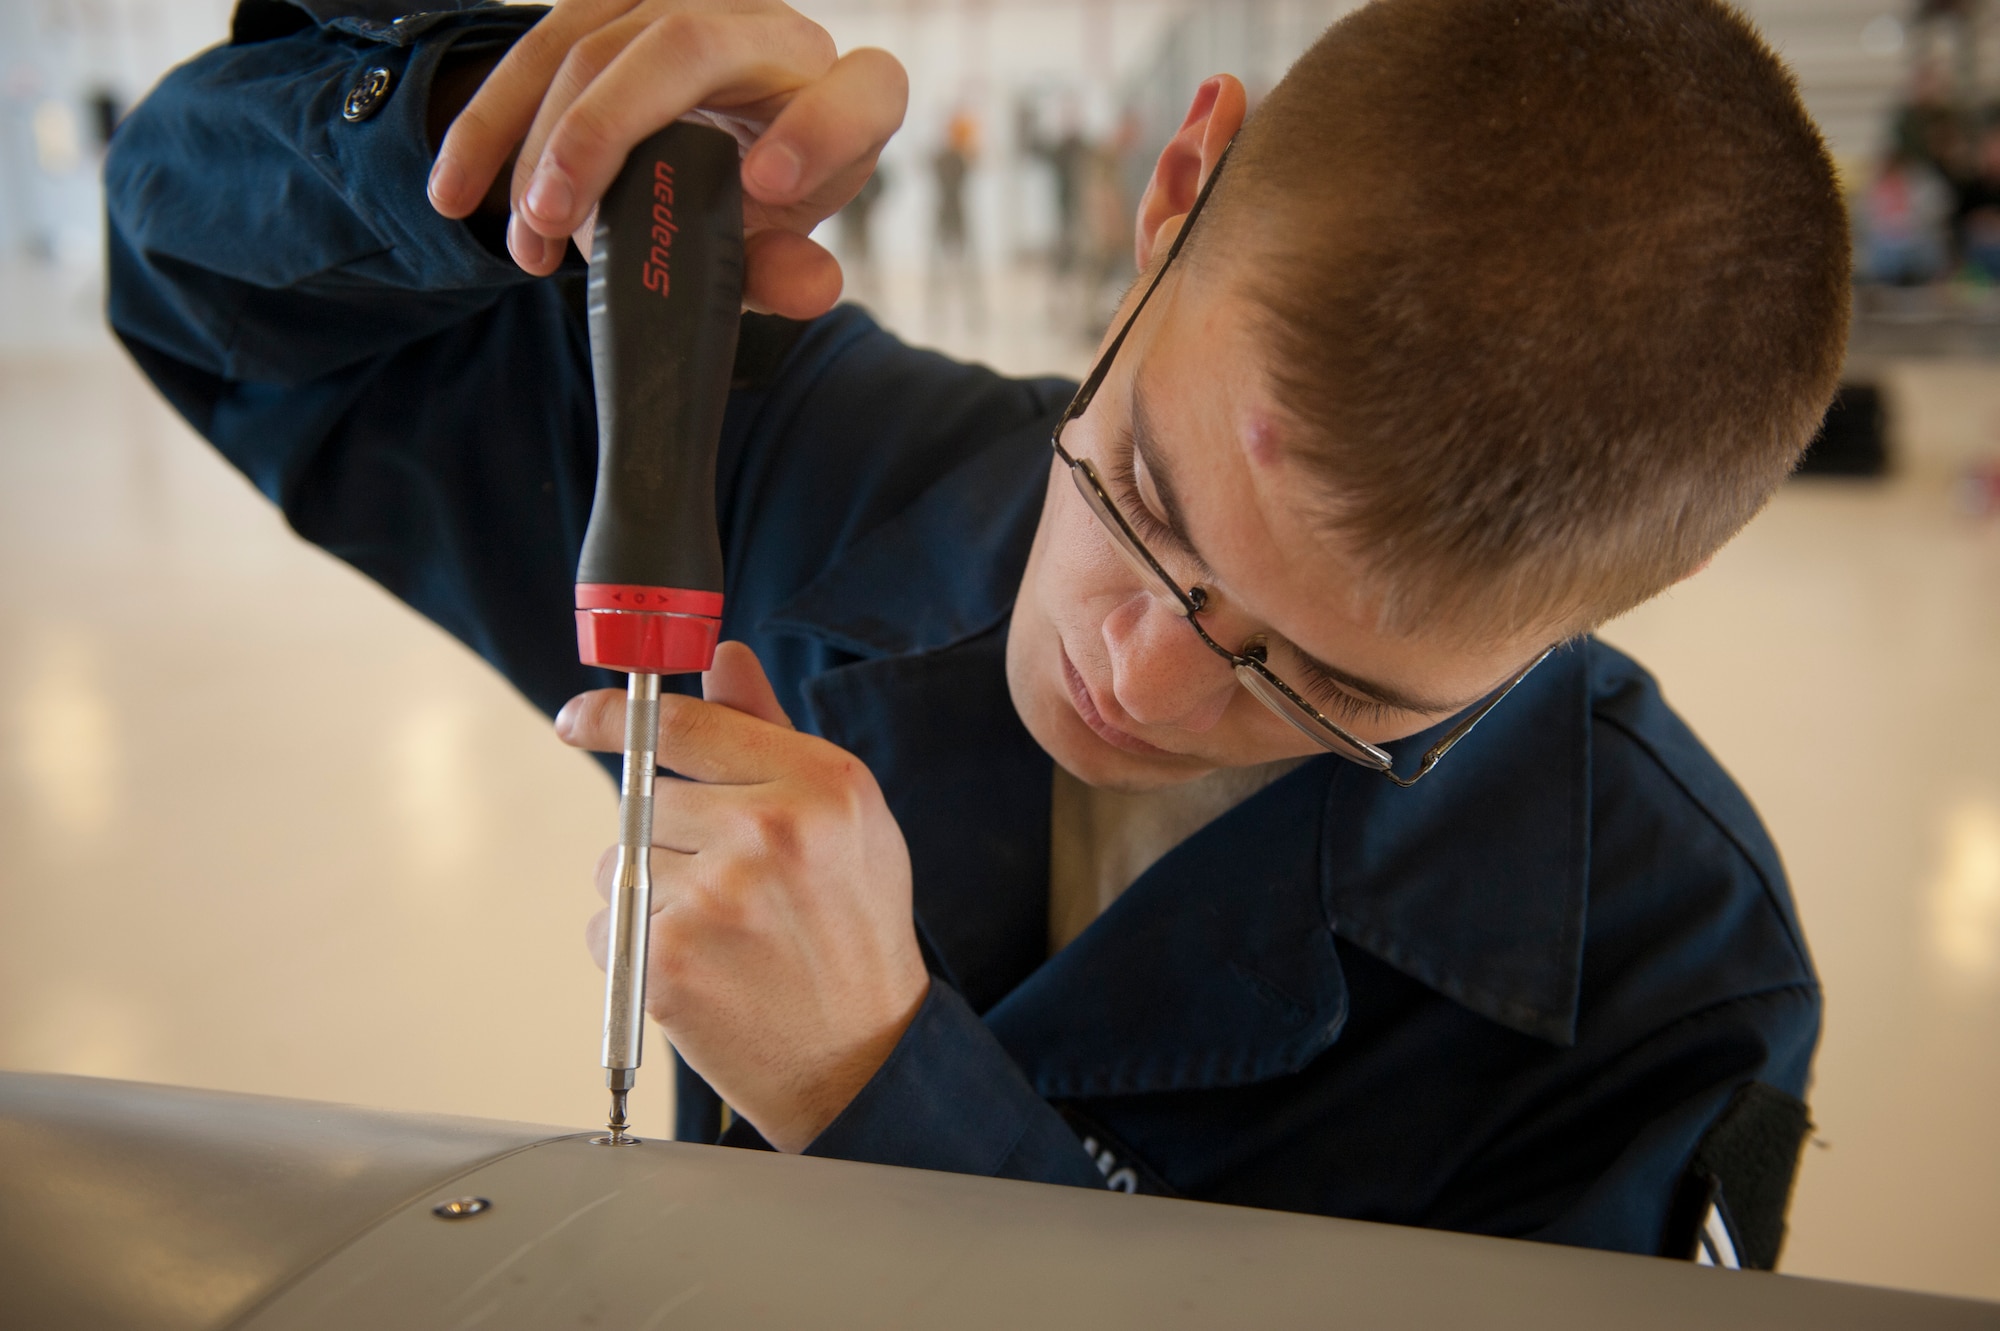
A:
[1041, 820]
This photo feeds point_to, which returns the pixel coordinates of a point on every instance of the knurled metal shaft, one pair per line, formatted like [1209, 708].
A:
[631, 896]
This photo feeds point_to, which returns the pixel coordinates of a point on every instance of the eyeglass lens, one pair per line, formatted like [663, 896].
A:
[1276, 699]
[1122, 540]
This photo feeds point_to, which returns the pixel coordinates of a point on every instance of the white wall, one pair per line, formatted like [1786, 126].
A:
[986, 54]
[54, 54]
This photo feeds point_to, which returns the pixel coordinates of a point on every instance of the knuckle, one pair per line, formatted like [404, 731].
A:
[665, 995]
[774, 833]
[689, 39]
[850, 784]
[473, 127]
[819, 44]
[582, 132]
[673, 725]
[671, 960]
[537, 43]
[857, 802]
[884, 72]
[587, 59]
[605, 712]
[724, 906]
[542, 47]
[568, 82]
[680, 722]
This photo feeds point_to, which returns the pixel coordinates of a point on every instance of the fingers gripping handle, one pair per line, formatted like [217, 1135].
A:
[666, 290]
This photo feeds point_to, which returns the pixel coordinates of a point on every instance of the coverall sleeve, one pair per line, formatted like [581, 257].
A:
[1730, 1131]
[267, 227]
[415, 404]
[950, 1098]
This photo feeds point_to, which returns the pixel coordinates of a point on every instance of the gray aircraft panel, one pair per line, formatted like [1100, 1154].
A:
[160, 1209]
[694, 1237]
[145, 1208]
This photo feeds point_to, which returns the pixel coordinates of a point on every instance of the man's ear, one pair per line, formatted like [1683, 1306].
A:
[1212, 121]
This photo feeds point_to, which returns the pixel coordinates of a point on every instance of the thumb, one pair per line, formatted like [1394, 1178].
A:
[737, 681]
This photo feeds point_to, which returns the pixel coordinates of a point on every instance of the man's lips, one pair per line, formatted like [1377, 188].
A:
[1079, 698]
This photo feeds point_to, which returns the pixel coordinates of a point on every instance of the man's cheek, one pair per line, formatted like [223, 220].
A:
[1082, 574]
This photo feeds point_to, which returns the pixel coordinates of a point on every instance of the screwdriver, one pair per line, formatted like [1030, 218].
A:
[665, 292]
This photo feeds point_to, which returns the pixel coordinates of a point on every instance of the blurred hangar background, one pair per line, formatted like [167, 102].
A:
[201, 884]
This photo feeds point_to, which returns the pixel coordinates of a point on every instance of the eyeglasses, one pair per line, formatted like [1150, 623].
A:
[1249, 664]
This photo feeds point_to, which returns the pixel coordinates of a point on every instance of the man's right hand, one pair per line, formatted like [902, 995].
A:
[594, 77]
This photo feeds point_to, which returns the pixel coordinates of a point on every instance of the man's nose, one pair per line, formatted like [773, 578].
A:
[1161, 672]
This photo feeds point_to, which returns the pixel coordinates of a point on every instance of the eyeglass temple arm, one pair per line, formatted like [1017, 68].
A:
[1438, 750]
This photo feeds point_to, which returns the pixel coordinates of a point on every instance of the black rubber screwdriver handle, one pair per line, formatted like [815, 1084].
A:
[665, 296]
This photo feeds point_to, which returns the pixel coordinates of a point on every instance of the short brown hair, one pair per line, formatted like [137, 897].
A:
[1557, 288]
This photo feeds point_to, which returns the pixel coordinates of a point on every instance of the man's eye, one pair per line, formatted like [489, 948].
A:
[1332, 699]
[1148, 524]
[1321, 691]
[1151, 528]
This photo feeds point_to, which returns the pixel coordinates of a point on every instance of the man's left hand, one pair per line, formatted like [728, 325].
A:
[782, 958]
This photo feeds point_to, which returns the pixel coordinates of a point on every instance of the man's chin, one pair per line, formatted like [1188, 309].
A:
[1133, 775]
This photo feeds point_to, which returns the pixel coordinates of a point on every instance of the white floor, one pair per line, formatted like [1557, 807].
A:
[262, 829]
[1843, 660]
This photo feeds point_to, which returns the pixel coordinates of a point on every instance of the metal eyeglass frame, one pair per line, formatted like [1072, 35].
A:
[1251, 671]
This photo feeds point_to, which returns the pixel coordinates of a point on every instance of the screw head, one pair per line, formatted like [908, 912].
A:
[460, 1208]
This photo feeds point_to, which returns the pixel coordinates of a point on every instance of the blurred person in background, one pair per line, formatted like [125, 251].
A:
[1979, 208]
[1914, 211]
[857, 238]
[1068, 157]
[1928, 124]
[955, 277]
[1201, 780]
[1106, 222]
[1905, 222]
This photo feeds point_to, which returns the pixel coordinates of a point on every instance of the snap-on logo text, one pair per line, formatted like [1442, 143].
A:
[658, 275]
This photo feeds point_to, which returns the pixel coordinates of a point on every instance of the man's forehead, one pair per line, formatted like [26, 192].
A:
[1207, 434]
[1246, 539]
[1209, 437]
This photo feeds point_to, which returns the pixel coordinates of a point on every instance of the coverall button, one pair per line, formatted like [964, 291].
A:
[365, 98]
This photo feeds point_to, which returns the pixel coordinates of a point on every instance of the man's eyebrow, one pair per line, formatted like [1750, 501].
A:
[1146, 444]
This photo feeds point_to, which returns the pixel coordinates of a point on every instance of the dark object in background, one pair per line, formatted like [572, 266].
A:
[1852, 441]
[106, 110]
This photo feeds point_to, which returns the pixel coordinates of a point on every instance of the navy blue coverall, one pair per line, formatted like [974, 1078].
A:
[1546, 993]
